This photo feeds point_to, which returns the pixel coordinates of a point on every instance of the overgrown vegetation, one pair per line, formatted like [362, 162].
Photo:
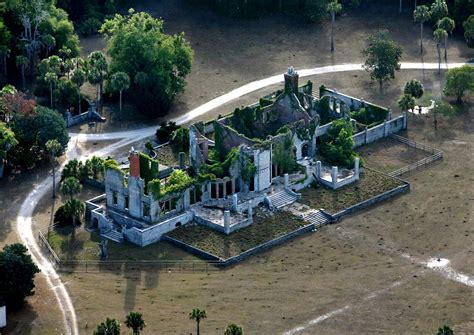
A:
[283, 155]
[371, 184]
[336, 145]
[263, 229]
[177, 182]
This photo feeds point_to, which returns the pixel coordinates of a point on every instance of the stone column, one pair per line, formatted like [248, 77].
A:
[186, 200]
[405, 120]
[356, 167]
[318, 169]
[308, 171]
[365, 135]
[313, 146]
[181, 161]
[385, 128]
[389, 114]
[227, 222]
[235, 201]
[250, 209]
[233, 185]
[287, 180]
[334, 173]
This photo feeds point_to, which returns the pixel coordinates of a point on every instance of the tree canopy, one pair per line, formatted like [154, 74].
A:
[458, 81]
[383, 57]
[17, 273]
[156, 63]
[414, 88]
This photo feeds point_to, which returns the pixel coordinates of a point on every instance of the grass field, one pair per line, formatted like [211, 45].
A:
[79, 244]
[387, 155]
[371, 183]
[262, 230]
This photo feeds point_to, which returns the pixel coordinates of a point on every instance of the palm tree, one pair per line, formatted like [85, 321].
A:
[22, 62]
[54, 148]
[109, 327]
[74, 209]
[49, 43]
[71, 186]
[51, 78]
[421, 15]
[448, 25]
[135, 321]
[97, 166]
[197, 315]
[439, 36]
[79, 78]
[65, 53]
[333, 8]
[439, 9]
[120, 81]
[446, 330]
[233, 329]
[98, 72]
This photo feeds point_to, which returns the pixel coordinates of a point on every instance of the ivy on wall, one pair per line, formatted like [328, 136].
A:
[148, 167]
[283, 155]
[177, 183]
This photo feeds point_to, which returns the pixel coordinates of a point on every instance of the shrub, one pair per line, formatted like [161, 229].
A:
[180, 139]
[336, 144]
[62, 217]
[164, 133]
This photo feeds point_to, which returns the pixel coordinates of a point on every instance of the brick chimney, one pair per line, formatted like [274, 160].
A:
[134, 163]
[291, 80]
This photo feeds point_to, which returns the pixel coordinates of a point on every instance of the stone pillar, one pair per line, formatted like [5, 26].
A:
[365, 135]
[385, 128]
[250, 209]
[313, 146]
[334, 174]
[235, 201]
[182, 156]
[227, 222]
[224, 189]
[308, 171]
[318, 169]
[233, 185]
[405, 120]
[287, 180]
[209, 189]
[356, 167]
[205, 150]
[389, 114]
[187, 199]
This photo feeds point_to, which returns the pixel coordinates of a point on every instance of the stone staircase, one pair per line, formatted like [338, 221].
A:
[317, 218]
[113, 235]
[281, 199]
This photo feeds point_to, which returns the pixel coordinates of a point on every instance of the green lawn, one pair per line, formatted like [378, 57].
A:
[262, 230]
[371, 183]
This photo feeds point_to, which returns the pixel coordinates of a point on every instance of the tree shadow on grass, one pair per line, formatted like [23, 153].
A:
[20, 321]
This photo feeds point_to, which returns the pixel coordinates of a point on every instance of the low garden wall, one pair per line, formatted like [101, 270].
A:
[384, 129]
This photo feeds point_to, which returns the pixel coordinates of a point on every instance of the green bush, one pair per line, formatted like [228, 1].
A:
[165, 131]
[371, 115]
[63, 218]
[336, 145]
[180, 139]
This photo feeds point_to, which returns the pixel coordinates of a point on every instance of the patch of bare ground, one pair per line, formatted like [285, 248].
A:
[388, 155]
